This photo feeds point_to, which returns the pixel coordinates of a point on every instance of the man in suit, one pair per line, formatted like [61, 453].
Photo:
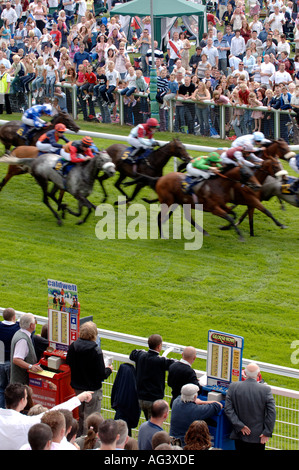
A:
[150, 373]
[181, 372]
[250, 407]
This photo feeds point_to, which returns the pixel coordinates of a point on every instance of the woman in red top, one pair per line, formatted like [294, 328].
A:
[245, 31]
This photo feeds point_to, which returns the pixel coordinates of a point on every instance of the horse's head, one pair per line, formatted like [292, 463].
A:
[276, 148]
[248, 179]
[180, 151]
[271, 166]
[67, 120]
[104, 162]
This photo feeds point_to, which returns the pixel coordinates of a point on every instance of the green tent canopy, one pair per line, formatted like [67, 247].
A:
[163, 9]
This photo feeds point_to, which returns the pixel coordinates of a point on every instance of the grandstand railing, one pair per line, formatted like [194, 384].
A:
[221, 110]
[286, 432]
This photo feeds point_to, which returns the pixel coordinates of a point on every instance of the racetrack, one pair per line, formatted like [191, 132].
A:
[144, 286]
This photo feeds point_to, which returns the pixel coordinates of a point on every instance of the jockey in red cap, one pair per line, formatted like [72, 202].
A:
[141, 136]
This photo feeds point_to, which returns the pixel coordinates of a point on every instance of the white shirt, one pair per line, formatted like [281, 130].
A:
[281, 77]
[14, 426]
[82, 8]
[21, 349]
[269, 69]
[277, 23]
[237, 46]
[178, 44]
[9, 15]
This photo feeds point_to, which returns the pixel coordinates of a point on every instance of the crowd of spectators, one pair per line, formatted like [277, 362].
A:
[26, 424]
[248, 56]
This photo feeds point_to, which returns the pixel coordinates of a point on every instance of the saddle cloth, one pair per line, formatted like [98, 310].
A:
[190, 184]
[134, 159]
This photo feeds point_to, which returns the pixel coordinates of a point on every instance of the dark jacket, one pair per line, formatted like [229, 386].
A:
[150, 373]
[86, 362]
[180, 374]
[124, 399]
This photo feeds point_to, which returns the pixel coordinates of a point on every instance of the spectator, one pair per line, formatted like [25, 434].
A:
[174, 49]
[88, 370]
[150, 373]
[123, 432]
[211, 52]
[195, 59]
[41, 342]
[185, 92]
[108, 434]
[186, 409]
[198, 436]
[250, 407]
[9, 14]
[23, 357]
[8, 327]
[14, 425]
[143, 45]
[91, 439]
[238, 46]
[56, 420]
[160, 437]
[40, 437]
[160, 410]
[181, 373]
[223, 47]
[65, 444]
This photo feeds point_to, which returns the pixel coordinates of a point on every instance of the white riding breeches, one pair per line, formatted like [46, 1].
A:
[45, 147]
[138, 143]
[191, 171]
[31, 123]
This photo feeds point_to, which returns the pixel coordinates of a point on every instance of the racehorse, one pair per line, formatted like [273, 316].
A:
[213, 194]
[79, 182]
[23, 151]
[268, 168]
[9, 136]
[152, 165]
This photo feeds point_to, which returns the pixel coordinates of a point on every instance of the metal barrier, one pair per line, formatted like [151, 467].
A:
[286, 432]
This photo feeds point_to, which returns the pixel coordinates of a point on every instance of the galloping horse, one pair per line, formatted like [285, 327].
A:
[151, 166]
[79, 181]
[269, 167]
[213, 194]
[9, 136]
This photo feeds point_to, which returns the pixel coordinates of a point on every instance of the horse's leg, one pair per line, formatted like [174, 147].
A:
[101, 180]
[189, 218]
[85, 202]
[117, 185]
[44, 185]
[224, 215]
[259, 206]
[13, 170]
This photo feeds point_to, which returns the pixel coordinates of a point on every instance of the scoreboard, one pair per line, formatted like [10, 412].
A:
[224, 361]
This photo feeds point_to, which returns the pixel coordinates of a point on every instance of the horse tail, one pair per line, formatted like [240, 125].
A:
[144, 179]
[11, 160]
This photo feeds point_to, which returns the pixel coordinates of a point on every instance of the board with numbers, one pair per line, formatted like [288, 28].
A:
[224, 361]
[63, 314]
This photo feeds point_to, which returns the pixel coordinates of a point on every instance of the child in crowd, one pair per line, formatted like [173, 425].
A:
[172, 91]
[90, 80]
[80, 79]
[256, 115]
[130, 86]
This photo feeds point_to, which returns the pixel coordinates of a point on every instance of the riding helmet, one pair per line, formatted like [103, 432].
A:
[152, 122]
[87, 141]
[214, 157]
[258, 136]
[60, 127]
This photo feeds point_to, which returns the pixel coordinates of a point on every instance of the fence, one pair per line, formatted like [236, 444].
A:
[286, 432]
[219, 117]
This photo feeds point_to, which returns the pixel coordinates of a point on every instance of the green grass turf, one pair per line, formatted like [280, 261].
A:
[140, 287]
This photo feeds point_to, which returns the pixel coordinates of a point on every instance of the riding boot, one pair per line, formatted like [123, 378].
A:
[135, 154]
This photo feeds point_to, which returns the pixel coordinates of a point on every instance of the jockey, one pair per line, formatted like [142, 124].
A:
[204, 167]
[257, 139]
[31, 117]
[48, 142]
[241, 155]
[74, 152]
[293, 159]
[141, 137]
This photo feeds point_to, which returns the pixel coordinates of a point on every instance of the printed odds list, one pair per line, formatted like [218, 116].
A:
[59, 326]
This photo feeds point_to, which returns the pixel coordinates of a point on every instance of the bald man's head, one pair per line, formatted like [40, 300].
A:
[189, 354]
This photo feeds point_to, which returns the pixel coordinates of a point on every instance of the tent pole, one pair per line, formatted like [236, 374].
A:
[153, 71]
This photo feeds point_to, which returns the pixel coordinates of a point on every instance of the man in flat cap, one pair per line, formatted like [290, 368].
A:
[187, 408]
